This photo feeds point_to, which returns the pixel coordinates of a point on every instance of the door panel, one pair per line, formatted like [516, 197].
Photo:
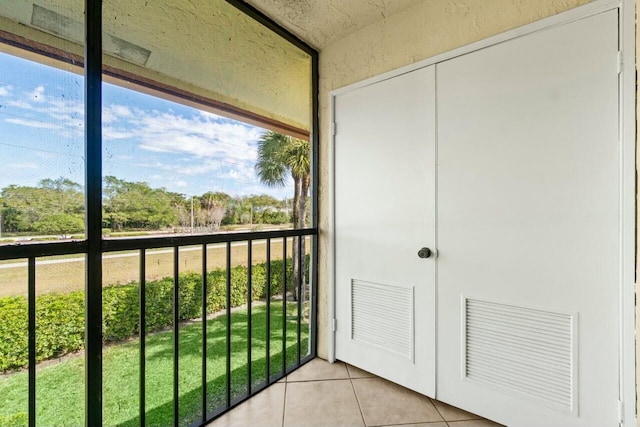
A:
[528, 228]
[384, 210]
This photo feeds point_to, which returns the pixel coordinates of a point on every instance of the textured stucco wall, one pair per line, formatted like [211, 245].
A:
[321, 22]
[417, 33]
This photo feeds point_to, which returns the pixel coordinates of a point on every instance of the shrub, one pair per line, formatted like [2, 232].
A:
[60, 317]
[59, 324]
[13, 330]
[60, 223]
[275, 217]
[59, 328]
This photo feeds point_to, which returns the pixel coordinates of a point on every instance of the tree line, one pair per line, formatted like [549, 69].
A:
[56, 207]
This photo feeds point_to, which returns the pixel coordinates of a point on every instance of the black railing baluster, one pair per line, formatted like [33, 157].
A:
[204, 333]
[143, 333]
[268, 328]
[284, 306]
[299, 281]
[228, 289]
[249, 322]
[176, 337]
[31, 296]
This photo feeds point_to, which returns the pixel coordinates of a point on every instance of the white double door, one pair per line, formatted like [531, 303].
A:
[504, 163]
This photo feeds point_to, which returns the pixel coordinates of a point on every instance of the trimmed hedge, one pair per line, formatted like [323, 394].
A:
[60, 317]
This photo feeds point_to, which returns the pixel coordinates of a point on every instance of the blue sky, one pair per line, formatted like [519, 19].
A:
[144, 138]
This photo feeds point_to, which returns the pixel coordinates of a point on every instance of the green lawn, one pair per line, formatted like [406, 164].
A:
[60, 386]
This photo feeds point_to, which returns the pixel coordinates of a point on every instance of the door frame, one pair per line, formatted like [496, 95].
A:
[627, 132]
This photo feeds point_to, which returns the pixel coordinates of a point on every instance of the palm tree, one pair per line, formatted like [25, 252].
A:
[279, 155]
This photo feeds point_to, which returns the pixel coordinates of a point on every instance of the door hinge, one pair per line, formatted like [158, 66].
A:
[334, 128]
[620, 61]
[620, 413]
[334, 324]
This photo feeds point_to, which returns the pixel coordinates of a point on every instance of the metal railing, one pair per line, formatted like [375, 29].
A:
[33, 251]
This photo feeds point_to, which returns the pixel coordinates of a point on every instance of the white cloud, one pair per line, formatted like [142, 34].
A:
[120, 110]
[207, 167]
[155, 148]
[232, 174]
[59, 109]
[192, 169]
[205, 150]
[241, 174]
[5, 90]
[64, 115]
[113, 113]
[37, 95]
[20, 104]
[33, 123]
[108, 116]
[166, 180]
[71, 108]
[210, 116]
[112, 133]
[203, 136]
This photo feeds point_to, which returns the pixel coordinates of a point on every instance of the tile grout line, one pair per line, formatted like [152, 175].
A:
[284, 402]
[448, 421]
[319, 380]
[426, 423]
[357, 399]
[438, 411]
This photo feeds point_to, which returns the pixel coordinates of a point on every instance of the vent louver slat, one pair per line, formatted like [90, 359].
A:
[382, 316]
[521, 351]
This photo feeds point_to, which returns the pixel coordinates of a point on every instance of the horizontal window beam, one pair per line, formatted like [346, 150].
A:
[113, 245]
[27, 250]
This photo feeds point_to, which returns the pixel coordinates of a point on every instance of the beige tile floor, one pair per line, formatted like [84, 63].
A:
[331, 395]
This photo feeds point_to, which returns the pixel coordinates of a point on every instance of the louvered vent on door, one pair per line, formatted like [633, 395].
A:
[382, 316]
[522, 351]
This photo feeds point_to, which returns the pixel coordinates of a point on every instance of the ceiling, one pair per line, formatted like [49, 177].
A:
[207, 47]
[319, 22]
